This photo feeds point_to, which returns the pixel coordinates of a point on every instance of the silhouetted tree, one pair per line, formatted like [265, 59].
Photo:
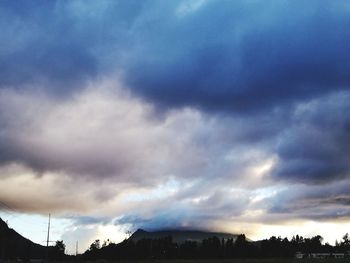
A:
[60, 246]
[95, 245]
[105, 243]
[346, 241]
[57, 252]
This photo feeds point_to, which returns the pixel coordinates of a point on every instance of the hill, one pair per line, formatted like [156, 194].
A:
[180, 236]
[13, 245]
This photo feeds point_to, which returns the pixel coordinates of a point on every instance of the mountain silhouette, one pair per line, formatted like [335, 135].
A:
[13, 245]
[180, 236]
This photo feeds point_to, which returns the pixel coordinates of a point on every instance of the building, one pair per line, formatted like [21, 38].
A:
[300, 255]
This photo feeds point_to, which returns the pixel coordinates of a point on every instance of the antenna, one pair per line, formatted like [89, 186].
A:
[48, 232]
[47, 240]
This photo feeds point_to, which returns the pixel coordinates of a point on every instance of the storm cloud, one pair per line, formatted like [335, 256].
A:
[316, 146]
[210, 114]
[241, 56]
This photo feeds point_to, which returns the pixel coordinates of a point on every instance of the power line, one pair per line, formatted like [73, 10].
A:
[13, 212]
[7, 208]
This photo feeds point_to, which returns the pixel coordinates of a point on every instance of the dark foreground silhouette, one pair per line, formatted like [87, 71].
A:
[162, 245]
[13, 246]
[213, 247]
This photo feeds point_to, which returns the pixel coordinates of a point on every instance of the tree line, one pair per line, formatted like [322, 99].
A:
[213, 247]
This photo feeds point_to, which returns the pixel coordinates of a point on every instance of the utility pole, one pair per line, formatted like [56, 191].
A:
[47, 240]
[76, 249]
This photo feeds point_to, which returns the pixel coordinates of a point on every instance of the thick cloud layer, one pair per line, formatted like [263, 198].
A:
[316, 146]
[209, 114]
[241, 56]
[105, 135]
[245, 56]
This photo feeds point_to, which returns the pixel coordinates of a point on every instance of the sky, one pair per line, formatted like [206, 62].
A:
[215, 115]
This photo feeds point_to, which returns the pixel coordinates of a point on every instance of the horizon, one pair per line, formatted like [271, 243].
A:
[228, 116]
[119, 236]
[131, 234]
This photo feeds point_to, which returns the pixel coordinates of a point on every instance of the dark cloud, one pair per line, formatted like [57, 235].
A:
[170, 219]
[315, 202]
[244, 56]
[89, 220]
[40, 50]
[60, 46]
[198, 211]
[315, 148]
[237, 56]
